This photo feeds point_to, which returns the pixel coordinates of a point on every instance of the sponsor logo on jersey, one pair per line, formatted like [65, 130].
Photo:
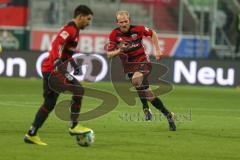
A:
[64, 34]
[134, 36]
[119, 39]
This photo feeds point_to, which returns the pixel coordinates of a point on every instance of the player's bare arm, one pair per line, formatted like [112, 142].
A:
[111, 54]
[120, 49]
[158, 52]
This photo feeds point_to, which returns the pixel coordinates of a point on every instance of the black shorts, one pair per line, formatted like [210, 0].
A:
[56, 83]
[143, 67]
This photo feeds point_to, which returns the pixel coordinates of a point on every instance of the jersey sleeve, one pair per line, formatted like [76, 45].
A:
[112, 41]
[147, 32]
[66, 34]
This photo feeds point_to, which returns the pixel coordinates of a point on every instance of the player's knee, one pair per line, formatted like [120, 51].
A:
[136, 83]
[137, 79]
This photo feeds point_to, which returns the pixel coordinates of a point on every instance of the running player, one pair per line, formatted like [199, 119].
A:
[126, 42]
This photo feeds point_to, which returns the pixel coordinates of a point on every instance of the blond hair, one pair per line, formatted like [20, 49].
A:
[122, 13]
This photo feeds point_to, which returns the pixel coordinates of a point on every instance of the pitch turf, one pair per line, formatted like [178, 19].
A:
[210, 133]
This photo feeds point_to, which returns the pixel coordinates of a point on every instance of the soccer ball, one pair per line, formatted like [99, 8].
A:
[85, 139]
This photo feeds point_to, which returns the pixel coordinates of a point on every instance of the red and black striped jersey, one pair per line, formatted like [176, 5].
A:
[63, 46]
[135, 35]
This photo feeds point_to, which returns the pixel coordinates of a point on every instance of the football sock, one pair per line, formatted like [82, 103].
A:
[142, 96]
[157, 103]
[40, 118]
[144, 102]
[32, 131]
[73, 124]
[75, 110]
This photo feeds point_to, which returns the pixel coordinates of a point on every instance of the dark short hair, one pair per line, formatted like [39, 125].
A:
[82, 10]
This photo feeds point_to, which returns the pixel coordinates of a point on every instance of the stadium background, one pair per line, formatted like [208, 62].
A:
[188, 29]
[198, 39]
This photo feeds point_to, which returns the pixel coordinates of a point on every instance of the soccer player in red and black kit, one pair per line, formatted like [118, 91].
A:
[63, 47]
[126, 42]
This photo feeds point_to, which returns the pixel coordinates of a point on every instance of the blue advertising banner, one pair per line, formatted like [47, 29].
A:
[192, 47]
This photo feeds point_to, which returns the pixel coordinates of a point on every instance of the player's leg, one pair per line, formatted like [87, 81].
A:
[77, 90]
[43, 112]
[137, 80]
[50, 98]
[75, 110]
[158, 104]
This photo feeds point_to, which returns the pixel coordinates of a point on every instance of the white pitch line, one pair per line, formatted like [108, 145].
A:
[18, 95]
[18, 104]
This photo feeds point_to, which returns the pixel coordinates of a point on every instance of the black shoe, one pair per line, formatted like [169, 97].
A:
[170, 118]
[148, 114]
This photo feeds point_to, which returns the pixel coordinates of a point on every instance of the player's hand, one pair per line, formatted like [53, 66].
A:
[158, 55]
[58, 65]
[77, 71]
[125, 46]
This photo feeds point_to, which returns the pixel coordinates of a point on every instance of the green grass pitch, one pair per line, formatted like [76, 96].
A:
[208, 126]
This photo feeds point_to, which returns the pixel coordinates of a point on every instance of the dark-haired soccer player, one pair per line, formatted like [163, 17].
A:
[63, 47]
[126, 42]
